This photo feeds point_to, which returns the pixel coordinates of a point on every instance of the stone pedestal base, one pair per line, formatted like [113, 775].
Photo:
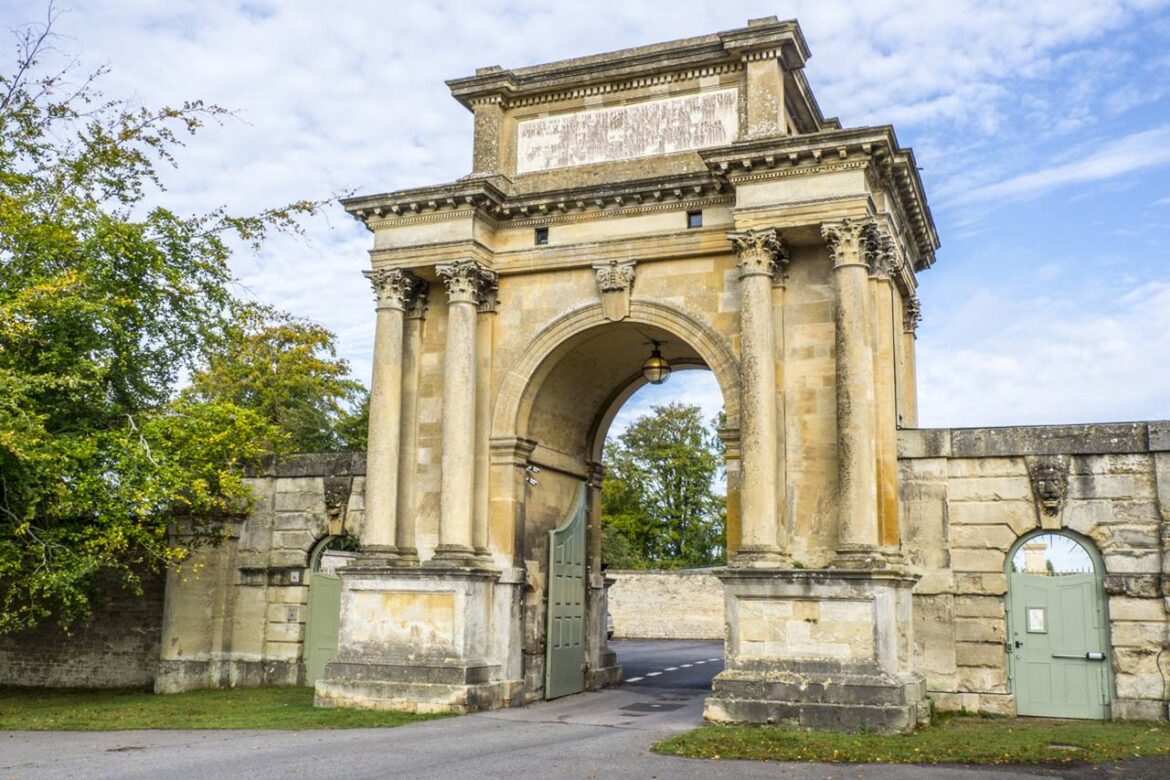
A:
[423, 639]
[821, 649]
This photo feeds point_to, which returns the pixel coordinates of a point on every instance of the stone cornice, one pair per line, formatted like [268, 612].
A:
[637, 67]
[837, 150]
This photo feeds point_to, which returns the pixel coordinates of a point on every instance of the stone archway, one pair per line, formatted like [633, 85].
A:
[559, 398]
[779, 251]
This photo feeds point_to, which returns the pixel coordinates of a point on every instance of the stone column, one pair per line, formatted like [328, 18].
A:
[484, 330]
[857, 529]
[911, 316]
[881, 254]
[779, 290]
[416, 309]
[458, 432]
[392, 286]
[759, 532]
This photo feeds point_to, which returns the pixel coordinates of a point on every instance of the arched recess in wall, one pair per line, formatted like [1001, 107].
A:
[1059, 652]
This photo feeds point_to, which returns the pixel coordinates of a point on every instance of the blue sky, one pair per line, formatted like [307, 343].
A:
[1043, 131]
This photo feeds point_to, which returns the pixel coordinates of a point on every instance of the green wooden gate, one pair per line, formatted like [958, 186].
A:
[1058, 631]
[565, 642]
[322, 624]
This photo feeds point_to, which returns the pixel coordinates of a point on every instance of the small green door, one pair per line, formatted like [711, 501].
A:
[322, 624]
[1058, 635]
[565, 643]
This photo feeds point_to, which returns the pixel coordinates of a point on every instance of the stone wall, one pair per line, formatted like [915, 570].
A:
[969, 494]
[665, 604]
[117, 648]
[235, 614]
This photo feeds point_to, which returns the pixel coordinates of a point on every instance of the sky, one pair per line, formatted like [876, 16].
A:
[1042, 130]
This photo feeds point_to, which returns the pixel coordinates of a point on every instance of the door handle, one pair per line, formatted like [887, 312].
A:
[1089, 656]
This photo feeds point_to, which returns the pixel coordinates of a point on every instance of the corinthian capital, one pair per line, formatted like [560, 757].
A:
[465, 280]
[911, 314]
[880, 252]
[845, 240]
[394, 288]
[761, 252]
[489, 291]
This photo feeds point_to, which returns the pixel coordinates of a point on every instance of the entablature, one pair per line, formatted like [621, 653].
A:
[875, 149]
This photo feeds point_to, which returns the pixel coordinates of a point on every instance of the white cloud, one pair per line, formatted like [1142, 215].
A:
[1135, 152]
[1051, 360]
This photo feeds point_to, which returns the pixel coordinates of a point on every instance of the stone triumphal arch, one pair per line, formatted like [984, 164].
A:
[691, 193]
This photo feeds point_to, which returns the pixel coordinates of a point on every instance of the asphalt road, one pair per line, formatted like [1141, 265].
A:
[605, 734]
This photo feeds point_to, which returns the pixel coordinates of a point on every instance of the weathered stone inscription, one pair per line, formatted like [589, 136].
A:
[625, 132]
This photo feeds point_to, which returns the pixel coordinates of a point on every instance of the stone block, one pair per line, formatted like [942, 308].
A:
[989, 537]
[974, 606]
[984, 584]
[1140, 686]
[979, 630]
[1132, 561]
[1020, 516]
[1010, 469]
[286, 632]
[1113, 486]
[974, 654]
[983, 679]
[1135, 609]
[991, 488]
[312, 501]
[1138, 634]
[967, 560]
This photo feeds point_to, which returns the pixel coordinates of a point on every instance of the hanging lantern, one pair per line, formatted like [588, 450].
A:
[656, 369]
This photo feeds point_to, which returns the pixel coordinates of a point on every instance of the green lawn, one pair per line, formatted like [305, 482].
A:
[38, 709]
[950, 740]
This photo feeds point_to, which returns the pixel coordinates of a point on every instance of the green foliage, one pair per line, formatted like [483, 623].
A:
[287, 371]
[42, 709]
[949, 740]
[105, 301]
[658, 497]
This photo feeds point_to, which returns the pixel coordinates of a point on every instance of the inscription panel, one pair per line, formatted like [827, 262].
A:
[807, 629]
[646, 129]
[405, 619]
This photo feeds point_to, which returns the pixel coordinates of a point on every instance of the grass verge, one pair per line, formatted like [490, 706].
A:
[968, 740]
[38, 709]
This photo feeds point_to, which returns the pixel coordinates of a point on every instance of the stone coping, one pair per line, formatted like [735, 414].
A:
[311, 464]
[617, 69]
[1018, 441]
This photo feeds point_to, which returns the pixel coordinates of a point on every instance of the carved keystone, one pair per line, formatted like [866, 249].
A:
[1049, 475]
[615, 280]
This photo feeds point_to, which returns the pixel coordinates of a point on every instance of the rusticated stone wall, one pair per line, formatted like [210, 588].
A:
[663, 604]
[969, 494]
[117, 648]
[235, 614]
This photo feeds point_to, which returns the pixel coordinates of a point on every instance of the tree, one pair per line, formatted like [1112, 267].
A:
[286, 370]
[658, 493]
[105, 301]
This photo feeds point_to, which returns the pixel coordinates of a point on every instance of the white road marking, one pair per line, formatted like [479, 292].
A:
[714, 660]
[671, 669]
[653, 674]
[635, 679]
[697, 663]
[685, 666]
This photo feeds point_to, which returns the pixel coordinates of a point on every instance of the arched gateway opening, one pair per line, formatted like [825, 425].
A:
[689, 193]
[565, 412]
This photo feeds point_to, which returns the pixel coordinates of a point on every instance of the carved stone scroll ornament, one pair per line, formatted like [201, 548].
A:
[615, 280]
[1049, 475]
[394, 288]
[761, 252]
[337, 490]
[489, 291]
[846, 240]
